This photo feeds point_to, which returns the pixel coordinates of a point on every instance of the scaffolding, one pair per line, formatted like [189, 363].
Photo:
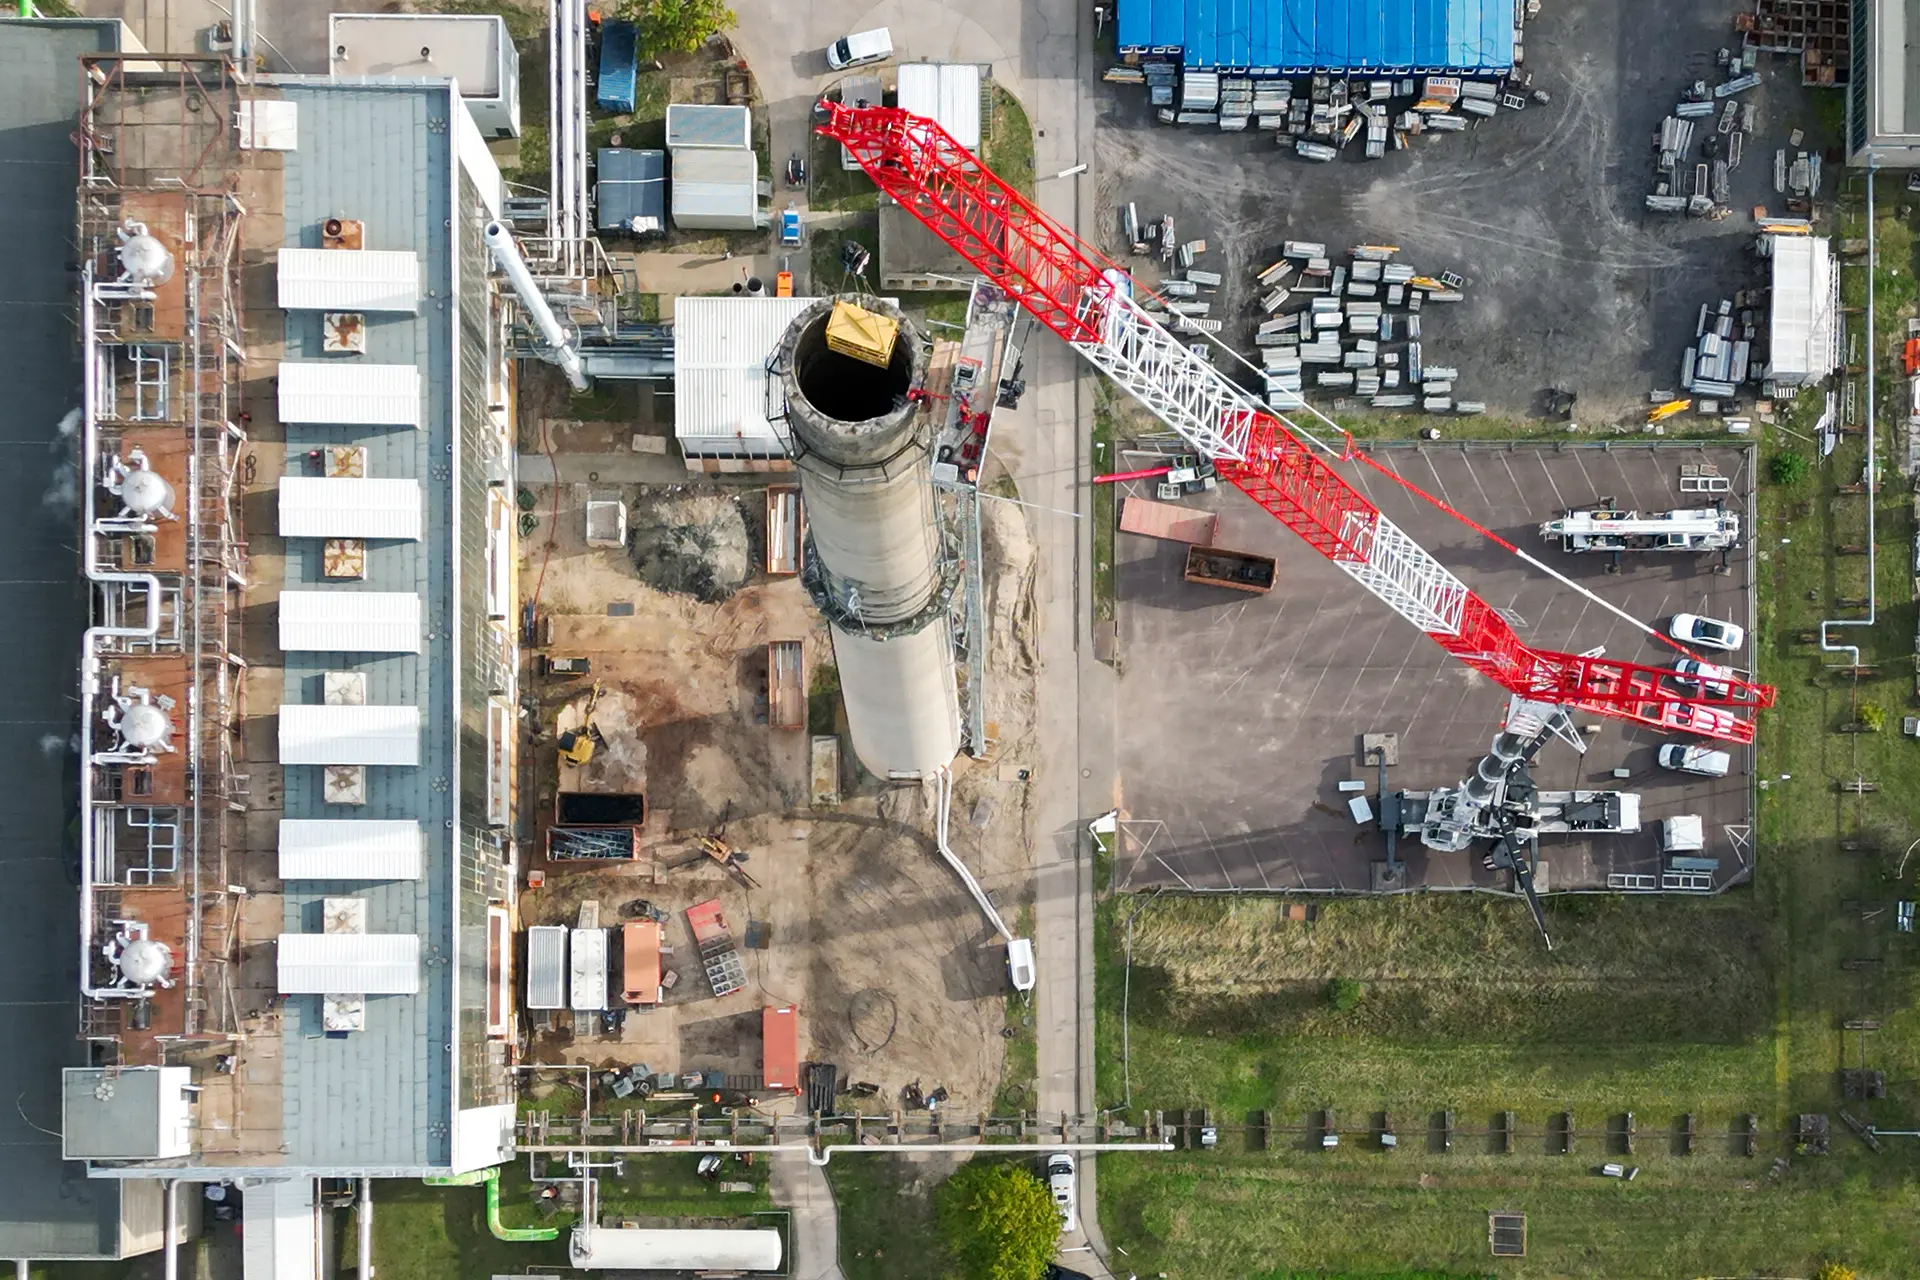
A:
[159, 219]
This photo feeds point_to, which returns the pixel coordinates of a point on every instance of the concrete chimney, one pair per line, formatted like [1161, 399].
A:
[876, 570]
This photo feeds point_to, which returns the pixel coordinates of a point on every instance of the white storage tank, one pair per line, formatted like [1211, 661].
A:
[645, 1249]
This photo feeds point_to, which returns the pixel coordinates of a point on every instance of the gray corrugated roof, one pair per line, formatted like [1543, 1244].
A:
[48, 1208]
[381, 1096]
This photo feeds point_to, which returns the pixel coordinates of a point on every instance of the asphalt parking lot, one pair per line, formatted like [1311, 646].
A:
[1240, 713]
[1573, 283]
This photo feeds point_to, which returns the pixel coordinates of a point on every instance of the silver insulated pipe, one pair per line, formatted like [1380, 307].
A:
[876, 568]
[507, 254]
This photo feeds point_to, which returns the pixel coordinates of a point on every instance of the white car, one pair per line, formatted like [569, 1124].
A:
[860, 48]
[1704, 761]
[1060, 1182]
[1694, 671]
[1707, 632]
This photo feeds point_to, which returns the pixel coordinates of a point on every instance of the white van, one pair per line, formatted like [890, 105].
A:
[860, 48]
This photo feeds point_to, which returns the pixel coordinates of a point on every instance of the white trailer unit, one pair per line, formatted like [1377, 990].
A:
[588, 971]
[547, 967]
[1600, 529]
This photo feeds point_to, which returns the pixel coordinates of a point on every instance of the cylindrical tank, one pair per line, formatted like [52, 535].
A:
[876, 571]
[145, 492]
[145, 961]
[145, 725]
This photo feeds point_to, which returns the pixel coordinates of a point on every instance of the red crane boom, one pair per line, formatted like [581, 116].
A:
[1079, 294]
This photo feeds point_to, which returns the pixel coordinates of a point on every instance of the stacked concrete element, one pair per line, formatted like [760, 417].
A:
[876, 569]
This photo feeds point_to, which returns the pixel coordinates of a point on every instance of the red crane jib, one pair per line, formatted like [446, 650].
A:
[1062, 281]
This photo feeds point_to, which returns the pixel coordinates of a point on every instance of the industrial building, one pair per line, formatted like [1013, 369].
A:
[630, 191]
[474, 49]
[1883, 100]
[295, 740]
[1305, 37]
[716, 172]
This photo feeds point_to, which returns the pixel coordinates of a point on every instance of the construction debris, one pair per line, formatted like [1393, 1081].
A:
[1720, 359]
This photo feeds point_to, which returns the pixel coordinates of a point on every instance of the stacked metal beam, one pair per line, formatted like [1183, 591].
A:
[1720, 358]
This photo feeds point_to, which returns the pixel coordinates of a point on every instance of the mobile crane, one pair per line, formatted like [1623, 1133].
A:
[1087, 300]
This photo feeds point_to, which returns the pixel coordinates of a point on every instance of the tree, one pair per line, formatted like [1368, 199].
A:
[1788, 467]
[675, 26]
[1344, 993]
[999, 1222]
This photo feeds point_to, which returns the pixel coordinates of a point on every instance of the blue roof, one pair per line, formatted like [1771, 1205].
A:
[381, 1097]
[1298, 36]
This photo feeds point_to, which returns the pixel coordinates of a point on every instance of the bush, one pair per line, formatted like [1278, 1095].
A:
[675, 26]
[1873, 716]
[1833, 1271]
[998, 1222]
[1344, 993]
[1788, 467]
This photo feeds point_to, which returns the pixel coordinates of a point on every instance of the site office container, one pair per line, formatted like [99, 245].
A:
[588, 971]
[640, 962]
[547, 967]
[780, 1048]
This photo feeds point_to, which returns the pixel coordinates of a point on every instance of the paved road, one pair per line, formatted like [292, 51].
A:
[800, 1186]
[1042, 51]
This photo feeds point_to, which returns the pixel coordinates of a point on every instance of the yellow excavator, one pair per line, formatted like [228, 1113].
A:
[577, 745]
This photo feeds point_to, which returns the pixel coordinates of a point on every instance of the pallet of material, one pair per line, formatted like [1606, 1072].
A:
[1168, 521]
[784, 532]
[786, 685]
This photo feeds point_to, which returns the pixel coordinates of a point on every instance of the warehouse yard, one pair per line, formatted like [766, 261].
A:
[1572, 284]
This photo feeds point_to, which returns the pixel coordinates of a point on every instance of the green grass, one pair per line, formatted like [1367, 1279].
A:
[943, 307]
[653, 1186]
[828, 275]
[823, 700]
[1020, 1070]
[1009, 145]
[1715, 1008]
[831, 187]
[432, 1233]
[887, 1230]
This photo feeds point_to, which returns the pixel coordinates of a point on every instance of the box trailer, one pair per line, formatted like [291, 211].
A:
[640, 962]
[785, 530]
[786, 685]
[780, 1048]
[1235, 570]
[547, 967]
[587, 972]
[600, 808]
[592, 844]
[1167, 520]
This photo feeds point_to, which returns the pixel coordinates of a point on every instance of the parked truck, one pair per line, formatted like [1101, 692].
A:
[1234, 570]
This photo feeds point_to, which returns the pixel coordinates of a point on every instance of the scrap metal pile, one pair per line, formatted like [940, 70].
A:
[1720, 358]
[1698, 183]
[1320, 115]
[1362, 322]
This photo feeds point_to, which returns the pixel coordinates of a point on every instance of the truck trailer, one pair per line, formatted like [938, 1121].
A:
[1605, 529]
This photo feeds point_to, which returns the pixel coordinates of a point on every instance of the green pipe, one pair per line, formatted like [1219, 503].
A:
[26, 9]
[492, 1178]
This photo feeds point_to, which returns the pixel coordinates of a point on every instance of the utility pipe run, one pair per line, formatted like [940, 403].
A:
[89, 660]
[507, 254]
[1873, 462]
[169, 1236]
[365, 1258]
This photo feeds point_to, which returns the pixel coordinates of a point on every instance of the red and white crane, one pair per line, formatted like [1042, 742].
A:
[1078, 293]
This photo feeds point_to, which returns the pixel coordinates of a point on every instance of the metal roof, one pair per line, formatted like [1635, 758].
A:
[722, 394]
[48, 1209]
[947, 93]
[280, 1236]
[349, 280]
[350, 849]
[1298, 36]
[466, 46]
[319, 734]
[704, 126]
[349, 507]
[630, 185]
[716, 189]
[125, 1113]
[372, 964]
[343, 620]
[547, 966]
[349, 392]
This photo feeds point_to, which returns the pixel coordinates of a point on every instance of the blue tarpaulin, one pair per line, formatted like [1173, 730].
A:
[1298, 36]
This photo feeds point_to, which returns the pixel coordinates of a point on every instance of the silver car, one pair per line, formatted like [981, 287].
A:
[1687, 758]
[1060, 1182]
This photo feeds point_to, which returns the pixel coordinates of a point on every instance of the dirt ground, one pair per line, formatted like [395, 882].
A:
[897, 975]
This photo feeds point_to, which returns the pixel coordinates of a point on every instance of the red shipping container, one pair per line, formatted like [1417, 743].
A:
[780, 1048]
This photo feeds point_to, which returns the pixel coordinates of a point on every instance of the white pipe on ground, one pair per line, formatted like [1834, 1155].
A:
[507, 254]
[366, 1229]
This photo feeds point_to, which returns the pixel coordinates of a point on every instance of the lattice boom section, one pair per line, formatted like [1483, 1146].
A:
[1189, 395]
[1405, 575]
